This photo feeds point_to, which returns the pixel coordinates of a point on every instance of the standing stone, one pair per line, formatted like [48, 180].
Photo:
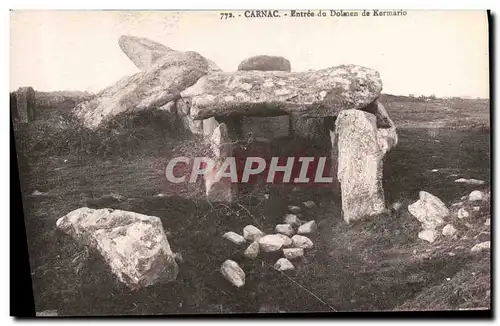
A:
[222, 147]
[25, 102]
[265, 63]
[359, 165]
[193, 126]
[209, 126]
[134, 245]
[252, 233]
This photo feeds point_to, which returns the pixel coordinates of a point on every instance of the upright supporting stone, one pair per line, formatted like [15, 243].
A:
[360, 162]
[25, 101]
[222, 147]
[193, 126]
[209, 126]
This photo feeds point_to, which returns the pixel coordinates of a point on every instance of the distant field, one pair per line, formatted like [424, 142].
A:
[373, 265]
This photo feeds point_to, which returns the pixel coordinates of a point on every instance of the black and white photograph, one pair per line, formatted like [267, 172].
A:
[222, 162]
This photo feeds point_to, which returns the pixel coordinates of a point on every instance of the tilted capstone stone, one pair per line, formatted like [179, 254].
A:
[142, 51]
[150, 89]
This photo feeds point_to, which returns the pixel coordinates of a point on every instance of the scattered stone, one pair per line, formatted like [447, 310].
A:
[396, 206]
[318, 93]
[117, 197]
[294, 209]
[287, 241]
[252, 233]
[292, 219]
[283, 264]
[481, 246]
[360, 164]
[309, 204]
[434, 170]
[234, 238]
[160, 195]
[47, 313]
[488, 222]
[477, 195]
[307, 228]
[271, 242]
[285, 229]
[252, 251]
[134, 245]
[293, 253]
[476, 208]
[429, 210]
[451, 254]
[233, 273]
[428, 235]
[460, 203]
[462, 213]
[265, 63]
[449, 230]
[300, 241]
[470, 181]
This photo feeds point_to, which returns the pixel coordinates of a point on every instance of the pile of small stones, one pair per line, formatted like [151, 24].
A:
[290, 237]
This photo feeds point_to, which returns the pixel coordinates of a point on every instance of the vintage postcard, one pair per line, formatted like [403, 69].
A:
[253, 161]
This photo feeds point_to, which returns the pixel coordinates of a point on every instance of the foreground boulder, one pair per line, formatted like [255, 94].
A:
[133, 245]
[316, 93]
[150, 89]
[360, 165]
[429, 210]
[265, 63]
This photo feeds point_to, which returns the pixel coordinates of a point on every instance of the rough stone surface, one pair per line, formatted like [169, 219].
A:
[428, 235]
[142, 51]
[268, 128]
[271, 242]
[287, 241]
[488, 222]
[283, 264]
[292, 219]
[481, 246]
[233, 273]
[265, 63]
[234, 237]
[300, 241]
[252, 233]
[25, 104]
[134, 245]
[477, 195]
[360, 165]
[449, 230]
[429, 210]
[293, 253]
[285, 229]
[193, 126]
[149, 89]
[307, 228]
[462, 213]
[317, 93]
[252, 250]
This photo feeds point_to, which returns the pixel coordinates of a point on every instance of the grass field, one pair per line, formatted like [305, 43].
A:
[378, 264]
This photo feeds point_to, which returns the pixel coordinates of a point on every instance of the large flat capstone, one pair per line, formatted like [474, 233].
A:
[316, 93]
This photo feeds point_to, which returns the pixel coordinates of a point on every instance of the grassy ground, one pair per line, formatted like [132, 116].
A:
[371, 265]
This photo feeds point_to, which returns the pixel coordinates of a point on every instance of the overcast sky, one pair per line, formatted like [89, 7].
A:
[425, 52]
